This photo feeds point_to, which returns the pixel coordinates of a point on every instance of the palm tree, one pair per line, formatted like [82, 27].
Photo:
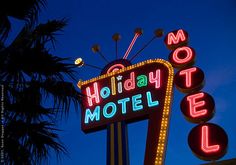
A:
[26, 10]
[38, 86]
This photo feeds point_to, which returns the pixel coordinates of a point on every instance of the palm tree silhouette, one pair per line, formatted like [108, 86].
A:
[38, 86]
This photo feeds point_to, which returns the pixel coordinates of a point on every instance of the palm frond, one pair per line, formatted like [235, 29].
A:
[31, 74]
[27, 104]
[44, 33]
[31, 36]
[63, 93]
[42, 138]
[36, 139]
[16, 153]
[26, 10]
[36, 63]
[5, 27]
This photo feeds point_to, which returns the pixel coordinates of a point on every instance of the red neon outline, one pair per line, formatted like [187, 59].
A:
[128, 81]
[193, 105]
[157, 79]
[186, 59]
[115, 68]
[91, 96]
[188, 74]
[205, 141]
[172, 38]
[131, 45]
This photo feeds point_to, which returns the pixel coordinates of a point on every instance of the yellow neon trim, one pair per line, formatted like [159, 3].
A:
[160, 154]
[160, 61]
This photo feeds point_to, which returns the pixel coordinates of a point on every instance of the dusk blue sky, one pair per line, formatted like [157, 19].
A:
[211, 26]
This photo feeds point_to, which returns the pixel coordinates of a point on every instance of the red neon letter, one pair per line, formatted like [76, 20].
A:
[93, 96]
[175, 39]
[129, 83]
[184, 60]
[205, 142]
[156, 79]
[188, 75]
[193, 105]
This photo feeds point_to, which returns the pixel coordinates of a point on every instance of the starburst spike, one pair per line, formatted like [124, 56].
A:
[79, 62]
[157, 34]
[137, 33]
[96, 49]
[116, 37]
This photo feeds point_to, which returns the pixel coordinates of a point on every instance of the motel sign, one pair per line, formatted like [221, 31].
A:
[126, 93]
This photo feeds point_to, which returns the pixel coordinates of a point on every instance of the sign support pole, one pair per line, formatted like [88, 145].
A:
[117, 144]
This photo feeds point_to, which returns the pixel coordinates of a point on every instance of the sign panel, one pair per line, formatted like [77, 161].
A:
[189, 79]
[208, 141]
[198, 107]
[129, 94]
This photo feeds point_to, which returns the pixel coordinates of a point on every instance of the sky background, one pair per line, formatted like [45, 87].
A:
[211, 26]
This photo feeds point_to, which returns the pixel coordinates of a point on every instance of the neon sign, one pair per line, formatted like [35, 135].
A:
[136, 92]
[125, 93]
[207, 141]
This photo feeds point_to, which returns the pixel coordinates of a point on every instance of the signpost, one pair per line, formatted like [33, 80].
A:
[136, 92]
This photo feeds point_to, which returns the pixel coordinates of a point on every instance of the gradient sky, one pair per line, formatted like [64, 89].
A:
[211, 26]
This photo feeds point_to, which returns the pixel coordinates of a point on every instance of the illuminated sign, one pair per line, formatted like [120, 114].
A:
[198, 107]
[136, 92]
[208, 141]
[129, 94]
[125, 93]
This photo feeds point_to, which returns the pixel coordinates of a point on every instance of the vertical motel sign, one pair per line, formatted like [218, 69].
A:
[136, 92]
[207, 141]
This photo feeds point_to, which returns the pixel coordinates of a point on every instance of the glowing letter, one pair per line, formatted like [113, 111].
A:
[193, 105]
[142, 81]
[186, 59]
[113, 86]
[105, 92]
[136, 99]
[93, 96]
[89, 115]
[155, 79]
[123, 104]
[113, 110]
[188, 75]
[149, 100]
[129, 83]
[175, 39]
[205, 141]
[119, 84]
